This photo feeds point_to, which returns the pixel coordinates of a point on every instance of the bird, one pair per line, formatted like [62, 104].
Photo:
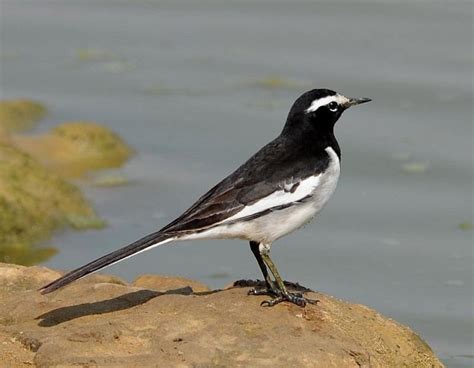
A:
[275, 192]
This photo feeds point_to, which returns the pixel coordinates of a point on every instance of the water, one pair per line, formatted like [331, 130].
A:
[179, 80]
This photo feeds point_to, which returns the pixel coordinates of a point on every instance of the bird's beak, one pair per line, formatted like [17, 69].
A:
[356, 101]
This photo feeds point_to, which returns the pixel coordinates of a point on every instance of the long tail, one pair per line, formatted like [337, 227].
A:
[139, 246]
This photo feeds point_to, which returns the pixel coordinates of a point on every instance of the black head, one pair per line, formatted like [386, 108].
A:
[318, 110]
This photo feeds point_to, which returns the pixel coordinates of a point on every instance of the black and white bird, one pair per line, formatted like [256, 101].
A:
[278, 190]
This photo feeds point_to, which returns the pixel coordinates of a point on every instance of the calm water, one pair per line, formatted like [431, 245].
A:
[185, 84]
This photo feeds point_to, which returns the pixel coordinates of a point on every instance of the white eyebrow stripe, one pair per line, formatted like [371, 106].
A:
[316, 104]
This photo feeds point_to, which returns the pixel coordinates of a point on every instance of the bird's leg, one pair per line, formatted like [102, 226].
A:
[283, 294]
[270, 288]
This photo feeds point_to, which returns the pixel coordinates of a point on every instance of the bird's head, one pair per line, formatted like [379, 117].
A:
[319, 109]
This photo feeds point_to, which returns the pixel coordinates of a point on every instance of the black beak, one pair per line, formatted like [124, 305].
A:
[356, 101]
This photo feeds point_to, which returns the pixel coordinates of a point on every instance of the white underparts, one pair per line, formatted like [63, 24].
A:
[316, 104]
[275, 224]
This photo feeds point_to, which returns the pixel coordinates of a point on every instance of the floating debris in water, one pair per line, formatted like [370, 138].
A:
[159, 90]
[277, 82]
[105, 58]
[94, 54]
[466, 226]
[402, 156]
[415, 167]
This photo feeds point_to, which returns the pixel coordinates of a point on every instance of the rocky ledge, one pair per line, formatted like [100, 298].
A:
[102, 321]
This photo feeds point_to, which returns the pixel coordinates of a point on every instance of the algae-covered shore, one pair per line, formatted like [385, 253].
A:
[36, 196]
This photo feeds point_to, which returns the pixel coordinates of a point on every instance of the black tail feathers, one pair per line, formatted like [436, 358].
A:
[130, 250]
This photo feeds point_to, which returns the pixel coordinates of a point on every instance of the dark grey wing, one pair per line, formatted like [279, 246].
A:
[230, 195]
[264, 173]
[217, 207]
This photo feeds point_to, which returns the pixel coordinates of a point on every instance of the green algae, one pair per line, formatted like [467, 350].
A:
[110, 180]
[80, 222]
[95, 145]
[20, 114]
[466, 226]
[159, 90]
[35, 197]
[74, 148]
[273, 82]
[26, 255]
[33, 203]
[94, 55]
[415, 167]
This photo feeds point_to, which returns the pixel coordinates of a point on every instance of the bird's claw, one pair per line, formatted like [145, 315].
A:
[295, 298]
[264, 291]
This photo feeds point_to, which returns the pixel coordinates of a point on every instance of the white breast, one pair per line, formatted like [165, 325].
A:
[274, 225]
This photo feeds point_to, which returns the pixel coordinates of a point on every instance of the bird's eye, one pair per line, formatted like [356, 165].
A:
[333, 106]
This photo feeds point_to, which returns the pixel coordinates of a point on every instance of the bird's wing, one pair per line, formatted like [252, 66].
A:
[270, 178]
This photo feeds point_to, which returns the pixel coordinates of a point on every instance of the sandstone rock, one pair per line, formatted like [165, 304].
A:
[95, 323]
[165, 283]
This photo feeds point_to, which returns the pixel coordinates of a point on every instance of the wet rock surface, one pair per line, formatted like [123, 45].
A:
[101, 321]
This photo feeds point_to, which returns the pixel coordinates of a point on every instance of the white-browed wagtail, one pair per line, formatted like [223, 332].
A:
[278, 190]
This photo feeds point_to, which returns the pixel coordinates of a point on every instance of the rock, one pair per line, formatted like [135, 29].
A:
[98, 323]
[164, 283]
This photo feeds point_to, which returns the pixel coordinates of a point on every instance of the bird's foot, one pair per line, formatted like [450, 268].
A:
[295, 298]
[265, 291]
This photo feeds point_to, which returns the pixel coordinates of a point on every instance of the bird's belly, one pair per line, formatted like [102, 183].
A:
[280, 222]
[271, 226]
